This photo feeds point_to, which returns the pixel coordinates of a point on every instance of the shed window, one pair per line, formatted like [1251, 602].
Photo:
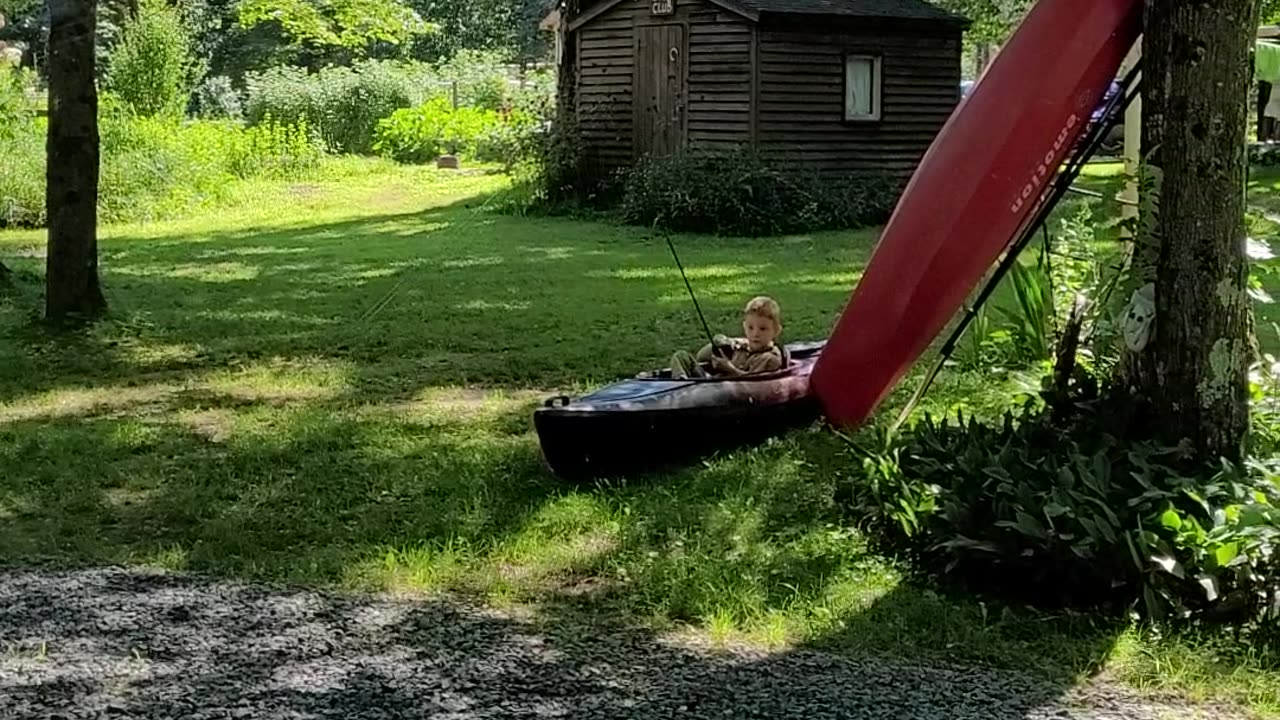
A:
[861, 87]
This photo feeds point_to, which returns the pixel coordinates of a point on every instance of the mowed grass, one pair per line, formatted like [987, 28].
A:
[332, 384]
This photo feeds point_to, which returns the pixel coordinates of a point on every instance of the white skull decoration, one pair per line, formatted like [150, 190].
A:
[1140, 317]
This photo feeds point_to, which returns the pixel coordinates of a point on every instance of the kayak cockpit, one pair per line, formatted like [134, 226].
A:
[794, 356]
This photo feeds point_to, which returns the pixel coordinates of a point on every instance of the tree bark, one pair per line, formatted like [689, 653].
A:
[1192, 372]
[72, 287]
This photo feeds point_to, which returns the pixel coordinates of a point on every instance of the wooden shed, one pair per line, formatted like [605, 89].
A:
[837, 85]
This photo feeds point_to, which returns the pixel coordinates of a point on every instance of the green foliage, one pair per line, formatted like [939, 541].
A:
[152, 69]
[22, 172]
[355, 25]
[1032, 315]
[421, 134]
[342, 104]
[156, 167]
[217, 99]
[508, 27]
[993, 20]
[742, 194]
[1060, 514]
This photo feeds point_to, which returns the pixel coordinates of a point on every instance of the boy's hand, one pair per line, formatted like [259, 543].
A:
[722, 365]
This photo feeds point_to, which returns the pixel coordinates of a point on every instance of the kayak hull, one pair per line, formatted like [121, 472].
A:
[976, 187]
[644, 424]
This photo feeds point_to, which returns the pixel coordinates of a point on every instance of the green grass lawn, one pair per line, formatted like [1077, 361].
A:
[331, 383]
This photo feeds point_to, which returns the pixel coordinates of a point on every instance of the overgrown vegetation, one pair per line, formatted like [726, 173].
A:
[342, 104]
[1057, 505]
[435, 128]
[743, 194]
[153, 67]
[1055, 513]
[152, 167]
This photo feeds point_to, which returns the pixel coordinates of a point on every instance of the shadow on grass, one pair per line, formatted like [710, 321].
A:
[275, 405]
[454, 498]
[449, 295]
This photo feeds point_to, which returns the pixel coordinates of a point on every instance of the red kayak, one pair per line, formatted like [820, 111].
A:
[985, 174]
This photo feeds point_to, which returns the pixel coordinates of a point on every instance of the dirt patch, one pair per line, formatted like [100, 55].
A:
[96, 402]
[465, 404]
[214, 426]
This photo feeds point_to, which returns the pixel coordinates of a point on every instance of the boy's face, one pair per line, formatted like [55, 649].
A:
[759, 331]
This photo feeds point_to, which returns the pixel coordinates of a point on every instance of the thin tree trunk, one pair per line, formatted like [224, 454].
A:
[72, 287]
[1192, 373]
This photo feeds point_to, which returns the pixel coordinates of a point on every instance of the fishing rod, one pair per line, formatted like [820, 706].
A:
[1093, 141]
[705, 328]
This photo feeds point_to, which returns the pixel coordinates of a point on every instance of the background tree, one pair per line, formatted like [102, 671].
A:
[993, 22]
[72, 287]
[355, 28]
[510, 25]
[1191, 374]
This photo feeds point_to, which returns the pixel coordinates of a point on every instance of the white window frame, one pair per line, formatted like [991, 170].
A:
[877, 87]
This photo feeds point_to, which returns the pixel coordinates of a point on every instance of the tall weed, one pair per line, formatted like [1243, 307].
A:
[153, 68]
[343, 105]
[423, 133]
[155, 167]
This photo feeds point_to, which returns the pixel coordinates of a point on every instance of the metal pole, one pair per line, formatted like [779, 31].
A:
[1132, 144]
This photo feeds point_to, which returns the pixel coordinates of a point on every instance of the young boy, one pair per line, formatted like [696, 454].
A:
[755, 353]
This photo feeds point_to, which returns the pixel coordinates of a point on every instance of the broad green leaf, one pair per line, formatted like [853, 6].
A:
[1170, 519]
[1225, 553]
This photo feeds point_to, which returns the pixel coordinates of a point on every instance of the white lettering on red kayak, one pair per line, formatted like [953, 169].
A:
[1049, 163]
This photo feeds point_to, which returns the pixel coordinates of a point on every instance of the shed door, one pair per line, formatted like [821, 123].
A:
[660, 92]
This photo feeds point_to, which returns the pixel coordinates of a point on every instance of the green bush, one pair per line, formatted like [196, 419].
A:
[342, 104]
[742, 194]
[423, 133]
[217, 99]
[22, 136]
[156, 167]
[1056, 513]
[152, 69]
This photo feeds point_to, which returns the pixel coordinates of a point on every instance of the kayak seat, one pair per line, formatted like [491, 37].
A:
[786, 356]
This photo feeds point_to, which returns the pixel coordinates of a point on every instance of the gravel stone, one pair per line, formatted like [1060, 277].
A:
[116, 643]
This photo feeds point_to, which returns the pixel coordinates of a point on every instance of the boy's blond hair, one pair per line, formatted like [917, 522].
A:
[765, 307]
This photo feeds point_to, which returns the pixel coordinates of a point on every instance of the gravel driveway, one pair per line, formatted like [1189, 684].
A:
[110, 643]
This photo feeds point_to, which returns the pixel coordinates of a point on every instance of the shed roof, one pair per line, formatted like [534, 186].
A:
[912, 10]
[896, 9]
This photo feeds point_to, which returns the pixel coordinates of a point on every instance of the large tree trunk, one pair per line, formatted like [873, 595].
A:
[1192, 373]
[71, 198]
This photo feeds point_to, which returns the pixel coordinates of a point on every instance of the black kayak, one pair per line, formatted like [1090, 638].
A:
[651, 420]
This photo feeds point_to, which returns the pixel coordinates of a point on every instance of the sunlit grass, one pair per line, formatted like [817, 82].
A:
[331, 383]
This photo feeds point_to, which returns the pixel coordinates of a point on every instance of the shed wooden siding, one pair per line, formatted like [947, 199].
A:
[718, 89]
[801, 109]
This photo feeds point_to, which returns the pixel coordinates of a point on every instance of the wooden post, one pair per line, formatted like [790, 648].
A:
[1132, 143]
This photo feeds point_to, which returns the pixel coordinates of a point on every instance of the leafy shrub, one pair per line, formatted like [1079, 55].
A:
[156, 167]
[342, 104]
[152, 68]
[217, 99]
[741, 194]
[1059, 514]
[22, 136]
[274, 149]
[423, 133]
[480, 78]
